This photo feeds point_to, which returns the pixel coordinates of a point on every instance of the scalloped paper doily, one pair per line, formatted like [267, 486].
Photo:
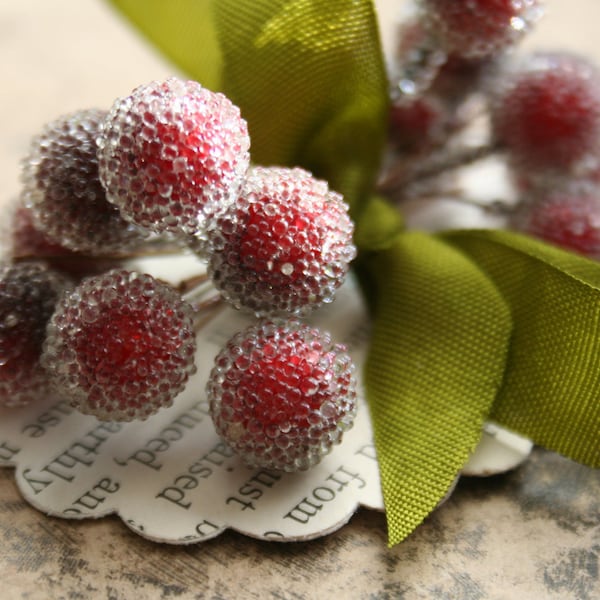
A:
[171, 479]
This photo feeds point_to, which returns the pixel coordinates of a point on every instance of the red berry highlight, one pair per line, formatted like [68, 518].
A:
[61, 187]
[547, 115]
[417, 124]
[479, 28]
[284, 246]
[171, 154]
[569, 218]
[28, 295]
[282, 394]
[121, 346]
[23, 240]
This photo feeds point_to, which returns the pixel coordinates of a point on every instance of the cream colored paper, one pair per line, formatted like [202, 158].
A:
[171, 479]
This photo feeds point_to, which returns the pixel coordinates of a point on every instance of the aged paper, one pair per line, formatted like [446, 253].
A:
[172, 479]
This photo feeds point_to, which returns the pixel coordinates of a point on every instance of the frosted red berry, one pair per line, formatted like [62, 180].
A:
[284, 246]
[29, 292]
[23, 240]
[569, 218]
[458, 78]
[282, 394]
[417, 61]
[61, 187]
[478, 28]
[173, 153]
[121, 346]
[547, 114]
[417, 124]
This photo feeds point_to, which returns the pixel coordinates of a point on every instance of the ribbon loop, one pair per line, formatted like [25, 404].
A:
[551, 389]
[437, 356]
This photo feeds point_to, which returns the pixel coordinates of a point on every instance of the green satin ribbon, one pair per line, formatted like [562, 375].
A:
[467, 325]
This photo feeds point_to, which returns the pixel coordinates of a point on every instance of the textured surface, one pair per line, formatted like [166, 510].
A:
[534, 533]
[530, 534]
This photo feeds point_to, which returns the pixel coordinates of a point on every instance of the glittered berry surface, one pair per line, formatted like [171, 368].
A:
[121, 346]
[547, 114]
[284, 246]
[282, 394]
[29, 292]
[173, 153]
[568, 217]
[476, 28]
[61, 187]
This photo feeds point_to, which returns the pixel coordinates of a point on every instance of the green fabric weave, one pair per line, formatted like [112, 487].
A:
[436, 360]
[551, 389]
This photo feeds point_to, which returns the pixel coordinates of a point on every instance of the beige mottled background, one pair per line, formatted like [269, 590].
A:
[530, 534]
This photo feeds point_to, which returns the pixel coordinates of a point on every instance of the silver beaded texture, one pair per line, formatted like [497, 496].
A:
[282, 394]
[172, 154]
[284, 246]
[121, 346]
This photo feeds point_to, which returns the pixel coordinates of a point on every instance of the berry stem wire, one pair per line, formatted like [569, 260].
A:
[151, 252]
[400, 176]
[201, 294]
[496, 206]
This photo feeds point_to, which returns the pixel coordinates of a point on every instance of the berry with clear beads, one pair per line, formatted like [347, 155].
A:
[172, 154]
[121, 346]
[479, 28]
[28, 295]
[568, 217]
[284, 246]
[62, 189]
[282, 394]
[417, 124]
[547, 115]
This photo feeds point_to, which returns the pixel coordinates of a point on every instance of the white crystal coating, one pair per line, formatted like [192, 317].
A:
[61, 187]
[171, 154]
[284, 246]
[121, 346]
[282, 394]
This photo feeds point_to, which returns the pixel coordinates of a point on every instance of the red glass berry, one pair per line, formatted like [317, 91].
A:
[28, 295]
[459, 77]
[282, 394]
[121, 346]
[284, 246]
[417, 124]
[547, 115]
[171, 154]
[478, 28]
[23, 240]
[569, 218]
[62, 188]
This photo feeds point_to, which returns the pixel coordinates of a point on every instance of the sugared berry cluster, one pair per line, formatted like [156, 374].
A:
[170, 165]
[282, 395]
[456, 60]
